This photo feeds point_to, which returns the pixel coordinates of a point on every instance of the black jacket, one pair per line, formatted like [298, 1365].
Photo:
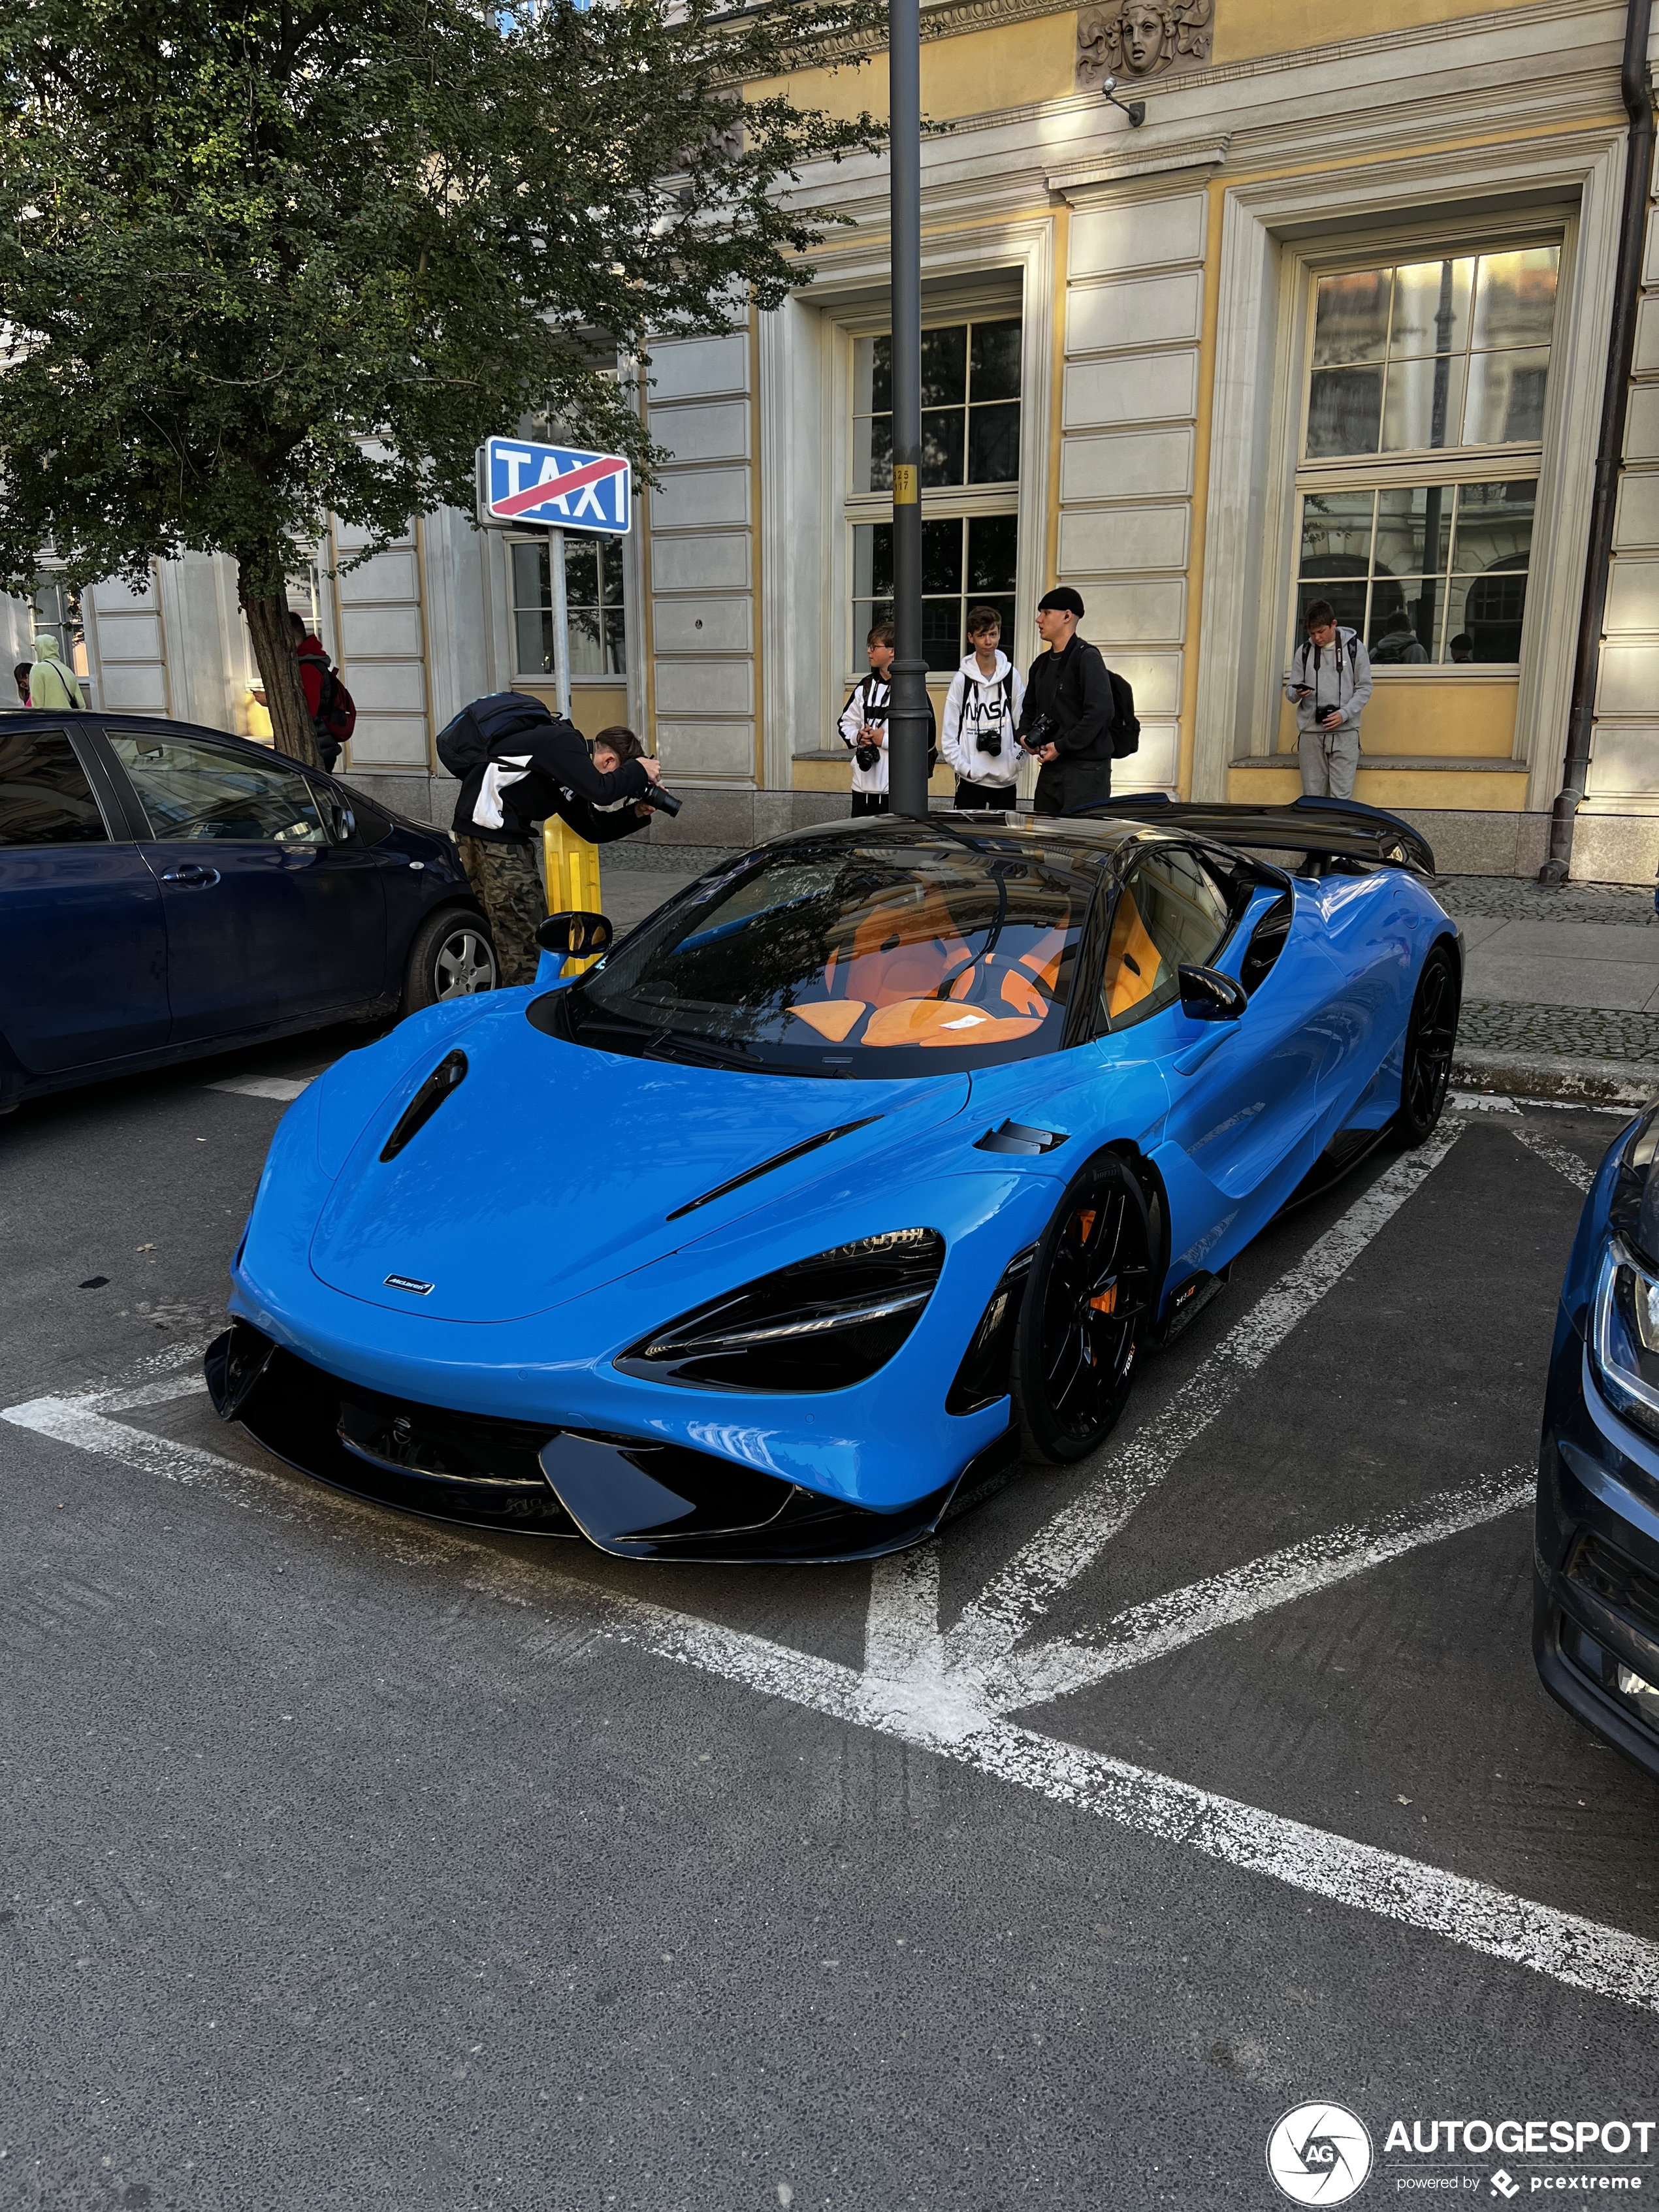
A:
[1075, 690]
[548, 771]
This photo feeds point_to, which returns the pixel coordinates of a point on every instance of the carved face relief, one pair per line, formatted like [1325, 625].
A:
[1142, 37]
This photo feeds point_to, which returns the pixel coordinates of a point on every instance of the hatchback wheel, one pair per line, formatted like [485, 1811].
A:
[451, 958]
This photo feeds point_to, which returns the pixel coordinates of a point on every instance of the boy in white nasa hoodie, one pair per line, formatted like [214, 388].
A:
[981, 714]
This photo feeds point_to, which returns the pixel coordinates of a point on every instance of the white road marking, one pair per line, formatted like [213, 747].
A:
[905, 1691]
[1017, 1596]
[284, 1087]
[1162, 1625]
[1564, 1161]
[1477, 1101]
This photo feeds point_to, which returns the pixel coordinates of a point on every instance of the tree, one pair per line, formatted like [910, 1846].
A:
[263, 262]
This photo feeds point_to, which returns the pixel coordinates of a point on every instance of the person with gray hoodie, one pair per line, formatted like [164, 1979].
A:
[981, 712]
[1329, 683]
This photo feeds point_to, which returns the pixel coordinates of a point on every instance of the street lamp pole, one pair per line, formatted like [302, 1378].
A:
[906, 718]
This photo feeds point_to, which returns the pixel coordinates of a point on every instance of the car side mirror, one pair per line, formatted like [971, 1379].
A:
[1207, 995]
[577, 936]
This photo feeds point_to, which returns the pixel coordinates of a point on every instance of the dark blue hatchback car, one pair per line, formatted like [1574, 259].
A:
[1595, 1631]
[167, 890]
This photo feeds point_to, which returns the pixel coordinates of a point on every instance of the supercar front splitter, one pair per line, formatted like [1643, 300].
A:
[634, 1499]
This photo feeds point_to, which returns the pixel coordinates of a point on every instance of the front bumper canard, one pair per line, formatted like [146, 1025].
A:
[633, 1498]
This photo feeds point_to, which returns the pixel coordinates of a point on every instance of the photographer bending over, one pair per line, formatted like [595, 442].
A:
[981, 712]
[518, 765]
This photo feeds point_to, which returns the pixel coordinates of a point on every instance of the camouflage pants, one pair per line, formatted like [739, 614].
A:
[506, 883]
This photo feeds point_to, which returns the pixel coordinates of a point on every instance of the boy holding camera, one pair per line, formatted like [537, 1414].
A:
[863, 725]
[981, 712]
[1327, 683]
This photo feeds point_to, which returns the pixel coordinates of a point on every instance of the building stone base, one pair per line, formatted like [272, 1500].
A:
[1607, 848]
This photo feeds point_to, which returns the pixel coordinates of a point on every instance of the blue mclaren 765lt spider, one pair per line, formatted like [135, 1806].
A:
[876, 1158]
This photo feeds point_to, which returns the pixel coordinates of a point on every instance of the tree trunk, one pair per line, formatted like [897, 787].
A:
[266, 616]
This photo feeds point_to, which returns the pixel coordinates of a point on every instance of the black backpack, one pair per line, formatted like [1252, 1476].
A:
[479, 731]
[1126, 729]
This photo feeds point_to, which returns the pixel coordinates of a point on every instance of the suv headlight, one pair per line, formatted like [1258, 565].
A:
[1624, 1337]
[821, 1324]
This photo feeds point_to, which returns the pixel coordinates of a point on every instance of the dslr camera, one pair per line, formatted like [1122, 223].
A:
[867, 754]
[989, 741]
[1041, 733]
[661, 801]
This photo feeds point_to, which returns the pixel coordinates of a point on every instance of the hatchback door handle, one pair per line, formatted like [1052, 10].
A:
[197, 877]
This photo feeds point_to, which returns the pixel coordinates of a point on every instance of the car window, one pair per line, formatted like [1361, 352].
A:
[45, 797]
[192, 790]
[331, 805]
[911, 955]
[1171, 914]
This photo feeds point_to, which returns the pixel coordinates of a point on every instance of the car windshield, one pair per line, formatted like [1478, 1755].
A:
[875, 959]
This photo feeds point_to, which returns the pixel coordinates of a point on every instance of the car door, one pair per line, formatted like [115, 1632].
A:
[268, 916]
[84, 975]
[1244, 1094]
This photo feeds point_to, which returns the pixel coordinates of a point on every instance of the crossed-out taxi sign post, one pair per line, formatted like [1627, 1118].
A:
[555, 487]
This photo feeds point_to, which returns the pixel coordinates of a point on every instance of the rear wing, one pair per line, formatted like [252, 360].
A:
[1332, 829]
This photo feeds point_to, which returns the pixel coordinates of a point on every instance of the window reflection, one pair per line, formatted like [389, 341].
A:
[1432, 354]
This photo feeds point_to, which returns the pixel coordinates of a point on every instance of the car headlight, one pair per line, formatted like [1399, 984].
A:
[821, 1324]
[1625, 1335]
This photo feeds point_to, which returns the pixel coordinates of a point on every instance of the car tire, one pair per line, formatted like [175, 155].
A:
[1088, 1302]
[451, 957]
[1430, 1040]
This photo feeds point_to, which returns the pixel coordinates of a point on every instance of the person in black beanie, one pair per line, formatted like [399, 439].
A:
[1070, 708]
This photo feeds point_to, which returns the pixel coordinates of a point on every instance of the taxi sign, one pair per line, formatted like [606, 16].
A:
[558, 484]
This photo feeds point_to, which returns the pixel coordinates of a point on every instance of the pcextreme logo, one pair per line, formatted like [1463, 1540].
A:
[1319, 2154]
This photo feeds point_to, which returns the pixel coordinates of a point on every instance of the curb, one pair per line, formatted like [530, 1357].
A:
[1536, 1075]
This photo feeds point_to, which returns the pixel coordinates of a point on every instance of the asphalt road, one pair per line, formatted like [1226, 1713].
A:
[352, 1865]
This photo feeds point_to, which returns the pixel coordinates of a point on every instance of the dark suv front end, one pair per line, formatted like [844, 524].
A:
[1595, 1632]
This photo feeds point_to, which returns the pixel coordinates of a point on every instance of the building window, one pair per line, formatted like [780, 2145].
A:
[56, 608]
[594, 610]
[970, 401]
[1419, 461]
[964, 560]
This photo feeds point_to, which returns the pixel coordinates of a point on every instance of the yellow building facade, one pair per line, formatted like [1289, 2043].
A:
[1331, 321]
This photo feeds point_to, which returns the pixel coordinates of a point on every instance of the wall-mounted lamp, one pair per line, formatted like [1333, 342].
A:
[1134, 109]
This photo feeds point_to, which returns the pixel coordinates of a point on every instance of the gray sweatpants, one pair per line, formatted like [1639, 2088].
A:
[1329, 758]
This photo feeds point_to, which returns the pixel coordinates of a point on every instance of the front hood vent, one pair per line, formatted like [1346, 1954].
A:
[441, 1084]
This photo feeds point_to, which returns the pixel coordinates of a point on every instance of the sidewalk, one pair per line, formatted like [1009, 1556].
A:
[1561, 994]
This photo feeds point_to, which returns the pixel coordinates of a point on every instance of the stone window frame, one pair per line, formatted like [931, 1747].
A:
[806, 370]
[1271, 233]
[939, 503]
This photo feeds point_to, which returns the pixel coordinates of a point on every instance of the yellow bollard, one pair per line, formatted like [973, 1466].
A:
[571, 866]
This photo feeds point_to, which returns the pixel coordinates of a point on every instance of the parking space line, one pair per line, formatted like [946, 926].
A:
[1605, 1961]
[1168, 1623]
[284, 1087]
[1564, 1161]
[1017, 1596]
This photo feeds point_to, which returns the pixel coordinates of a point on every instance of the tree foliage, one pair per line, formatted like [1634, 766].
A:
[262, 263]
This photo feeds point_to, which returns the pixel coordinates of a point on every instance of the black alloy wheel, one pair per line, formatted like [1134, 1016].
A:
[1086, 1306]
[1431, 1038]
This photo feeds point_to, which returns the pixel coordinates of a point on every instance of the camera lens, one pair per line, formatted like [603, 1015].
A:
[663, 801]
